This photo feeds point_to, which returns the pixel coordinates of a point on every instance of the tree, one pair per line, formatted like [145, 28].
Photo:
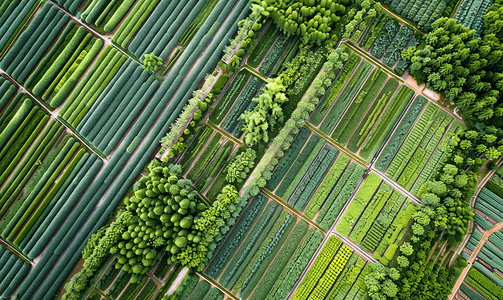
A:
[406, 249]
[152, 63]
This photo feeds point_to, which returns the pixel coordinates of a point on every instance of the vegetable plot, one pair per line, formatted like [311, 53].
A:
[415, 149]
[471, 14]
[422, 12]
[26, 52]
[13, 16]
[483, 283]
[377, 218]
[13, 271]
[337, 273]
[92, 85]
[270, 258]
[307, 178]
[348, 87]
[118, 106]
[100, 14]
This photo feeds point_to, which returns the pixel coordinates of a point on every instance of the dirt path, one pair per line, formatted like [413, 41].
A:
[292, 210]
[217, 285]
[400, 18]
[474, 255]
[357, 159]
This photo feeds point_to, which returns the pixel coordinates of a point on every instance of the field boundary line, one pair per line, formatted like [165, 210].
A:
[292, 210]
[217, 285]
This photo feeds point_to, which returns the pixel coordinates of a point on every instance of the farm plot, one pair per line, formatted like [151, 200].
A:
[265, 252]
[490, 257]
[424, 13]
[342, 92]
[231, 123]
[365, 110]
[51, 55]
[337, 273]
[116, 108]
[39, 166]
[172, 26]
[103, 16]
[13, 16]
[208, 159]
[490, 205]
[117, 284]
[314, 178]
[377, 218]
[13, 271]
[385, 38]
[415, 149]
[269, 49]
[237, 87]
[92, 85]
[471, 14]
[495, 184]
[479, 285]
[472, 243]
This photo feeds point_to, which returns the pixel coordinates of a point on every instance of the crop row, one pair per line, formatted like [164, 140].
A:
[336, 188]
[261, 249]
[117, 106]
[226, 101]
[387, 41]
[364, 112]
[471, 14]
[400, 133]
[173, 22]
[385, 37]
[484, 285]
[422, 12]
[92, 85]
[336, 273]
[232, 123]
[58, 72]
[310, 177]
[363, 100]
[345, 98]
[12, 272]
[27, 51]
[105, 15]
[132, 22]
[331, 95]
[413, 140]
[13, 16]
[202, 158]
[265, 43]
[274, 55]
[419, 155]
[490, 204]
[367, 191]
[387, 240]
